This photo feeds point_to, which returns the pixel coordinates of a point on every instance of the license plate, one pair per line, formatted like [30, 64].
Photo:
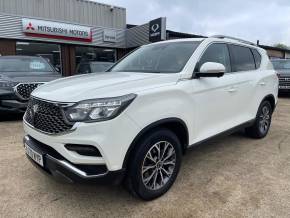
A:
[34, 155]
[284, 87]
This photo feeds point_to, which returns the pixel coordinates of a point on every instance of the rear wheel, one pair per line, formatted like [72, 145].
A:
[154, 165]
[263, 121]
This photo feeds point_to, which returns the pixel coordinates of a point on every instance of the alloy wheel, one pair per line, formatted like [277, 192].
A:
[158, 165]
[265, 119]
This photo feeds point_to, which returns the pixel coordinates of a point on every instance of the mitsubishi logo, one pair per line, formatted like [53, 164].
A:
[155, 27]
[30, 27]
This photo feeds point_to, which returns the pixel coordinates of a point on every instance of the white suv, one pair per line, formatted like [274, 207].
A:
[134, 122]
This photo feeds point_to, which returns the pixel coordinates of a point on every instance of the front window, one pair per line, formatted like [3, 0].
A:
[218, 53]
[24, 64]
[168, 57]
[281, 64]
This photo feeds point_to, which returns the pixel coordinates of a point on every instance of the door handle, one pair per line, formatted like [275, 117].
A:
[262, 83]
[232, 89]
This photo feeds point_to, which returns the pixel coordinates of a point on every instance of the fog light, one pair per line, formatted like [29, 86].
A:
[87, 150]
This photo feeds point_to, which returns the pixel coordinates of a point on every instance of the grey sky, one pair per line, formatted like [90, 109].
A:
[268, 21]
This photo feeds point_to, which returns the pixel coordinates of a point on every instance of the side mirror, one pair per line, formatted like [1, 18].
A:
[211, 69]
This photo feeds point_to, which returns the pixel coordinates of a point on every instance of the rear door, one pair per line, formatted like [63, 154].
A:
[246, 76]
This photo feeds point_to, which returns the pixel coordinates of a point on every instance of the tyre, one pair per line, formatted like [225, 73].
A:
[154, 165]
[262, 122]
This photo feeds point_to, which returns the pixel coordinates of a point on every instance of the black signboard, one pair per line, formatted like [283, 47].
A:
[156, 30]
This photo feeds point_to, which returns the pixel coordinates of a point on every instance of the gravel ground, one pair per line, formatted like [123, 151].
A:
[232, 176]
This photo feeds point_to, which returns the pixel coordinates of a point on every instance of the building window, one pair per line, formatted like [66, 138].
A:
[49, 51]
[85, 56]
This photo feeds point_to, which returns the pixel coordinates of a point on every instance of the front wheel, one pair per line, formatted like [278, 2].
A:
[154, 165]
[263, 121]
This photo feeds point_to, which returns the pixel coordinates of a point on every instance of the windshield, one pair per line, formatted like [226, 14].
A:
[93, 67]
[281, 64]
[100, 67]
[169, 57]
[24, 64]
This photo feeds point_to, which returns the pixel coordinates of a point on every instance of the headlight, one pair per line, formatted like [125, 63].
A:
[7, 84]
[98, 109]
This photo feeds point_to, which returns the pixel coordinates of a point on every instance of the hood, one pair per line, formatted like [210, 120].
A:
[101, 85]
[25, 77]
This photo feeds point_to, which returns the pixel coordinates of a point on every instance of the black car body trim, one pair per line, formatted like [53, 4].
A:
[62, 169]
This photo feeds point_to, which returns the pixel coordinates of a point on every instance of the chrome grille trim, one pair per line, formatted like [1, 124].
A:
[23, 90]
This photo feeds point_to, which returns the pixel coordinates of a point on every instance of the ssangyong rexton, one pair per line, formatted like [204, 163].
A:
[133, 123]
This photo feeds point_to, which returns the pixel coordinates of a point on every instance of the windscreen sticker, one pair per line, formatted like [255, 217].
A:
[36, 65]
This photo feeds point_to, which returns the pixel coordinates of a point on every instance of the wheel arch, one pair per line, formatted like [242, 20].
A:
[271, 100]
[176, 125]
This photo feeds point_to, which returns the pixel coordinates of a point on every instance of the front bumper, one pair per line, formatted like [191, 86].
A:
[111, 138]
[63, 170]
[9, 102]
[284, 90]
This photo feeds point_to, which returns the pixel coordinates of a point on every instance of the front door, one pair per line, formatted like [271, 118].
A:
[215, 98]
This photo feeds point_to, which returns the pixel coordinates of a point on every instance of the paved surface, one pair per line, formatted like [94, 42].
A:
[230, 177]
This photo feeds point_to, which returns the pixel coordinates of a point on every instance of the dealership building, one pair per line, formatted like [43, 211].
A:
[68, 32]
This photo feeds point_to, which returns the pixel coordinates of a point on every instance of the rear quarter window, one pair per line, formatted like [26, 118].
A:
[257, 58]
[241, 58]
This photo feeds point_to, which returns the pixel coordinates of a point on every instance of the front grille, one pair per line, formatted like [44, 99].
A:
[23, 90]
[284, 81]
[46, 117]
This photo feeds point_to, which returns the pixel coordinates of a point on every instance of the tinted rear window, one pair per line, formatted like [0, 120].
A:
[241, 58]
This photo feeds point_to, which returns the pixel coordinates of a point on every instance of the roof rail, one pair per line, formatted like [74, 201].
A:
[229, 37]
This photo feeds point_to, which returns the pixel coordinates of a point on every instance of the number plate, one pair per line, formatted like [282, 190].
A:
[34, 155]
[284, 87]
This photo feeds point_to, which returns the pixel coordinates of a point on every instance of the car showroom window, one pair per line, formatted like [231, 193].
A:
[257, 58]
[219, 53]
[241, 58]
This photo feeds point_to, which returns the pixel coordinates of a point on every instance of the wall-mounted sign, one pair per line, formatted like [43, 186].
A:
[157, 29]
[109, 36]
[56, 30]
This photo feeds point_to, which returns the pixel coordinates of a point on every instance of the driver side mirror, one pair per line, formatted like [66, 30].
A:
[211, 69]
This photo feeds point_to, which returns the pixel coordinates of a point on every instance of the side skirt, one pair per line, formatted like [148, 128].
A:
[225, 133]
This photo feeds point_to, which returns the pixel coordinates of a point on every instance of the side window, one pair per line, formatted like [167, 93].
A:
[241, 58]
[257, 57]
[219, 53]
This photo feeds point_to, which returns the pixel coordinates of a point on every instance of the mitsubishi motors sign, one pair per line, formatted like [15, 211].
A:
[56, 30]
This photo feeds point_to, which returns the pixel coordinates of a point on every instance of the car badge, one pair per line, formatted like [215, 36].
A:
[35, 108]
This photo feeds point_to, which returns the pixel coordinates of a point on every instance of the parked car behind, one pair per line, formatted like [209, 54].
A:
[282, 66]
[93, 67]
[19, 76]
